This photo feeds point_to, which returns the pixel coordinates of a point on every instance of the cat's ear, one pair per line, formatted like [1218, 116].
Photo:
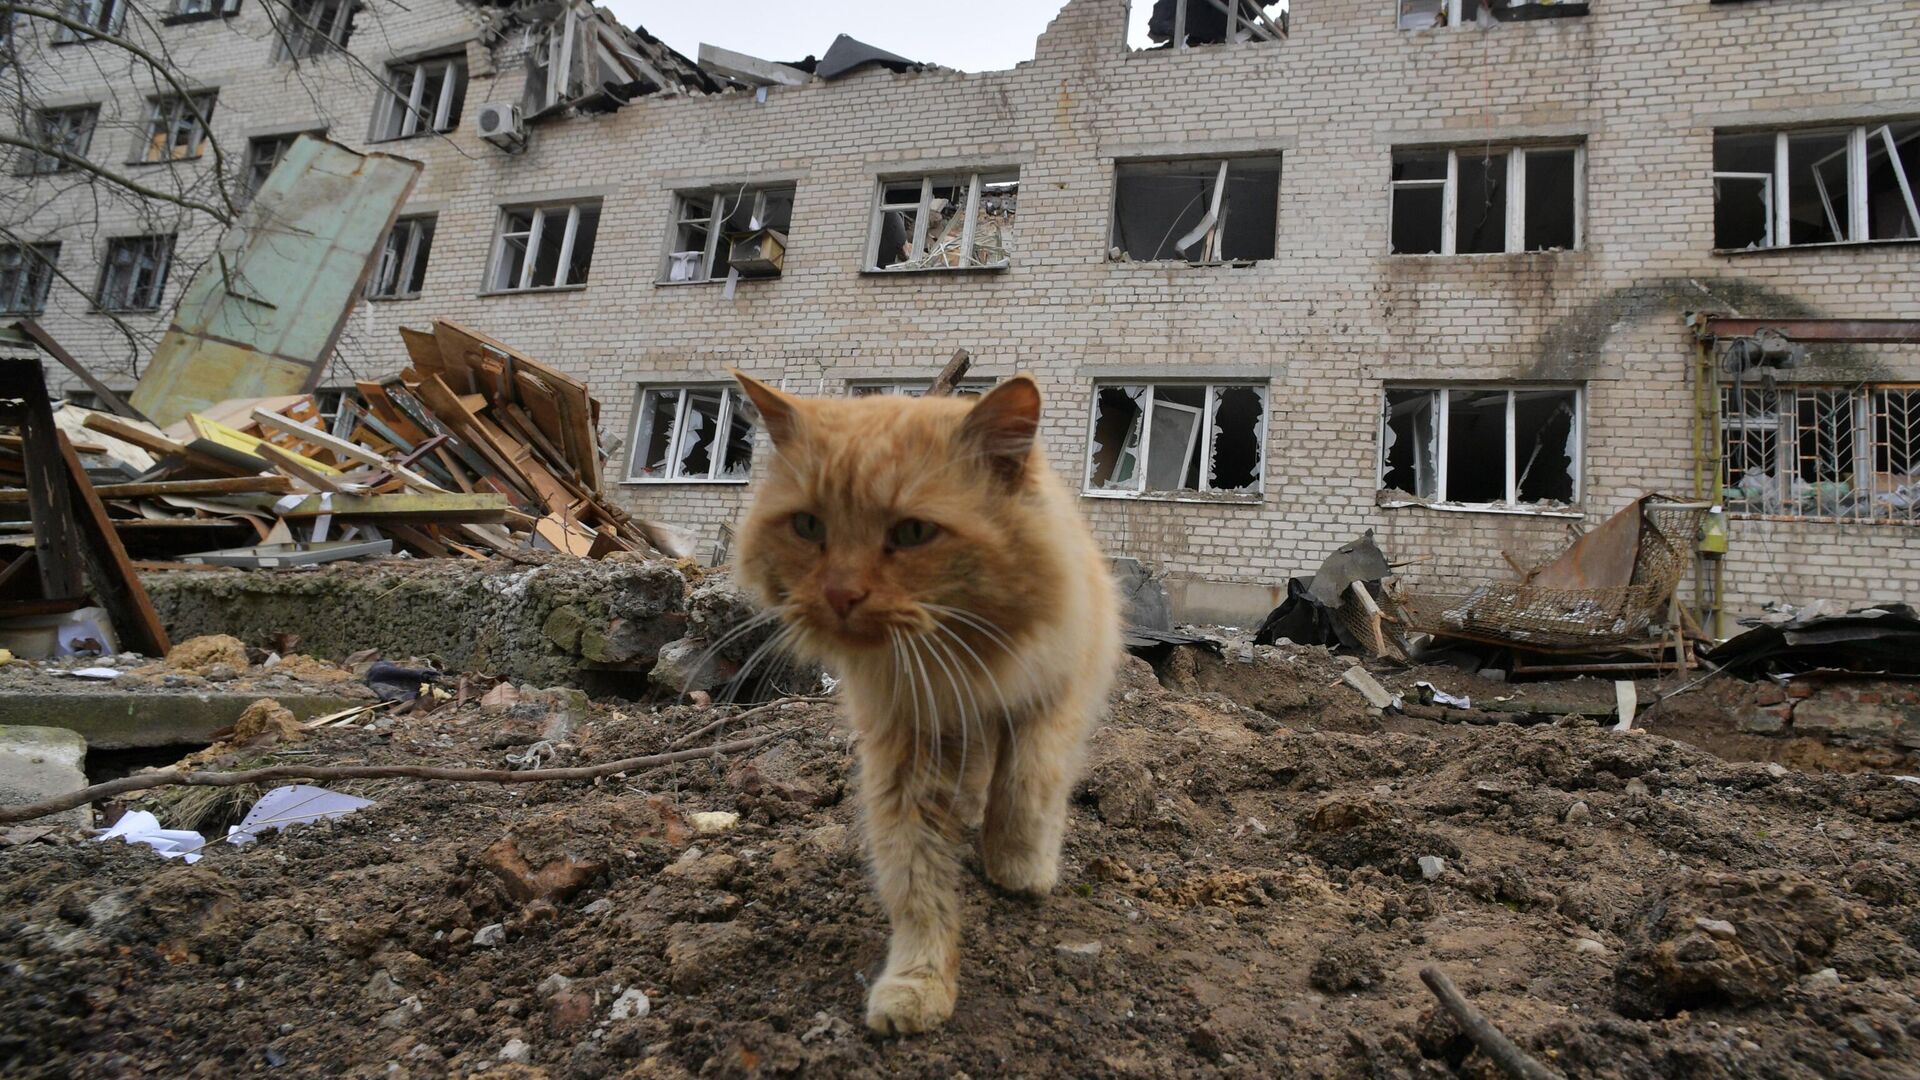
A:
[778, 412]
[1003, 423]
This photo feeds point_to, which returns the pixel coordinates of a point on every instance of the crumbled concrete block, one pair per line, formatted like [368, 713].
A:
[41, 762]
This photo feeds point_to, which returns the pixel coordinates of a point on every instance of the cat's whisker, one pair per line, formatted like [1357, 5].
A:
[938, 651]
[994, 634]
[770, 646]
[751, 623]
[1006, 708]
[938, 736]
[913, 694]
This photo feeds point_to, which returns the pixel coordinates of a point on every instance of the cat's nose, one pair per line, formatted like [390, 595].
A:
[842, 599]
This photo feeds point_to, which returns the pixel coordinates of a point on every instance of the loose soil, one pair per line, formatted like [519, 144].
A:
[1242, 896]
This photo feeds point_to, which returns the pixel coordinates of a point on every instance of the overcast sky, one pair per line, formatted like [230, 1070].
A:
[980, 35]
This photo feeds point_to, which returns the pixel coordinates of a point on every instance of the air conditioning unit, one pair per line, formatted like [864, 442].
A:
[502, 126]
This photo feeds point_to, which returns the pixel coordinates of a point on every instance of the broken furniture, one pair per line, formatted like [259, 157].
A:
[1611, 592]
[76, 551]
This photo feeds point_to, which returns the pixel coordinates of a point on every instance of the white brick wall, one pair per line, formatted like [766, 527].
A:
[1645, 82]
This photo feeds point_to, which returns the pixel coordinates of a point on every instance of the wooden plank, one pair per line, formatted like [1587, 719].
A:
[295, 466]
[463, 347]
[114, 402]
[423, 351]
[15, 442]
[406, 508]
[342, 449]
[233, 439]
[272, 485]
[151, 442]
[114, 583]
[950, 376]
[49, 499]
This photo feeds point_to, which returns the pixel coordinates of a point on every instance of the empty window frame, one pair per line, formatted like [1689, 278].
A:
[423, 97]
[177, 127]
[1203, 210]
[1822, 452]
[1482, 445]
[1471, 201]
[706, 220]
[691, 434]
[68, 131]
[914, 387]
[26, 274]
[956, 221]
[544, 247]
[263, 155]
[134, 276]
[104, 16]
[311, 27]
[191, 10]
[1170, 438]
[1186, 23]
[402, 269]
[1816, 186]
[1432, 14]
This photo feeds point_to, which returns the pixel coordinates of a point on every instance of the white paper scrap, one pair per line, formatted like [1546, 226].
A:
[1441, 697]
[141, 827]
[294, 804]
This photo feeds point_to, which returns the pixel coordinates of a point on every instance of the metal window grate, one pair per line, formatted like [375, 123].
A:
[1822, 453]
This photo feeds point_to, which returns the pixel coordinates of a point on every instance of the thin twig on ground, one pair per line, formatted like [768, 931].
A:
[715, 725]
[175, 777]
[1512, 1060]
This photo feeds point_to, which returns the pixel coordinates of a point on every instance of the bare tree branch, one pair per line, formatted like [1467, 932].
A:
[112, 177]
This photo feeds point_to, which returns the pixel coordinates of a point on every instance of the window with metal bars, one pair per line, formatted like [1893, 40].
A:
[1821, 453]
[134, 276]
[1816, 186]
[69, 131]
[402, 269]
[1169, 439]
[544, 247]
[691, 434]
[311, 27]
[26, 275]
[423, 97]
[177, 127]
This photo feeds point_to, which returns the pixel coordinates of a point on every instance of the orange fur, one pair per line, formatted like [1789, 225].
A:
[972, 664]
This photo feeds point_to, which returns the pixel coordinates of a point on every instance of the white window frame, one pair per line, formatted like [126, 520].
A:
[104, 16]
[1255, 492]
[1441, 397]
[69, 130]
[157, 249]
[306, 33]
[922, 207]
[1516, 223]
[1457, 14]
[405, 245]
[1208, 231]
[540, 214]
[911, 387]
[731, 404]
[172, 116]
[184, 10]
[714, 256]
[26, 276]
[1780, 185]
[402, 116]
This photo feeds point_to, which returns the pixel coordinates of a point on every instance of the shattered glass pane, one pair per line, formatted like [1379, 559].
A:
[1115, 453]
[1817, 187]
[1422, 14]
[1544, 443]
[693, 452]
[1480, 221]
[993, 230]
[1250, 209]
[1237, 412]
[779, 209]
[1551, 180]
[1158, 202]
[1476, 446]
[737, 462]
[546, 260]
[580, 259]
[654, 438]
[1410, 454]
[1173, 448]
[1893, 182]
[1742, 212]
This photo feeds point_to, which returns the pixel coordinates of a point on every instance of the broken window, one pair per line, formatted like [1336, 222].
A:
[423, 97]
[1482, 445]
[188, 10]
[1822, 186]
[951, 222]
[1432, 14]
[26, 273]
[1182, 24]
[104, 16]
[311, 27]
[544, 247]
[1177, 437]
[177, 127]
[1483, 200]
[1822, 452]
[1196, 211]
[263, 154]
[715, 229]
[402, 270]
[135, 273]
[691, 433]
[69, 131]
[917, 387]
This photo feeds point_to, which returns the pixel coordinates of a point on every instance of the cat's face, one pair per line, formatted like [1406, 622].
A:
[885, 515]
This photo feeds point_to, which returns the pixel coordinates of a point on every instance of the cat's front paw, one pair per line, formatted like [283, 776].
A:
[904, 1004]
[1028, 874]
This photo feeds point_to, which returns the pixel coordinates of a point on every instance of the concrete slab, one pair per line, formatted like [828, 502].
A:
[41, 762]
[124, 721]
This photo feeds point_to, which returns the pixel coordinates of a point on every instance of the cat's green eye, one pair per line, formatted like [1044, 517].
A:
[912, 532]
[810, 528]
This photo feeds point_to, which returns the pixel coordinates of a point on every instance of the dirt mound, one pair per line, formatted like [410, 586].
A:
[202, 655]
[1239, 898]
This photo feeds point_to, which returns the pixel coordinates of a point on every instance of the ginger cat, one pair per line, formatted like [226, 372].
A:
[922, 549]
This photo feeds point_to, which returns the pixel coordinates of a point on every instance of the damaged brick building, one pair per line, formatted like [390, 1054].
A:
[1418, 267]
